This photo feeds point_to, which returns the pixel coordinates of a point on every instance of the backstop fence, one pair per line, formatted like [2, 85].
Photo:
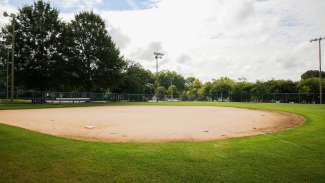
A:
[74, 97]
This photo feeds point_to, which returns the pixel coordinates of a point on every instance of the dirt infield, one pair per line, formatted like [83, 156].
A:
[151, 123]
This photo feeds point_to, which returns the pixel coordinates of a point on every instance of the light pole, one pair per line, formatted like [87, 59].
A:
[320, 67]
[13, 16]
[7, 71]
[158, 56]
[171, 86]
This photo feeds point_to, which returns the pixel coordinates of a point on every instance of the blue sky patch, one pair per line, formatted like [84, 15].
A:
[118, 5]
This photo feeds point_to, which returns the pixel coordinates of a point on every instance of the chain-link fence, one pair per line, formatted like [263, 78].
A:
[77, 97]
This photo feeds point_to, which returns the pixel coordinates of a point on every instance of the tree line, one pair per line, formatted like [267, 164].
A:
[54, 55]
[171, 83]
[80, 55]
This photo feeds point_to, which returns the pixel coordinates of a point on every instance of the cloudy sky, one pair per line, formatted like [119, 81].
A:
[255, 39]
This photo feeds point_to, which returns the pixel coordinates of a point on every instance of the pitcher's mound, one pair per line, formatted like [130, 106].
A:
[150, 123]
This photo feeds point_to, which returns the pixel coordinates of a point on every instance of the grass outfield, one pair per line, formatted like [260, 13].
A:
[295, 155]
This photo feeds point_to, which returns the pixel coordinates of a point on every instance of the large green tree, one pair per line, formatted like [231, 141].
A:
[281, 86]
[222, 88]
[168, 78]
[94, 54]
[310, 85]
[192, 87]
[204, 91]
[312, 74]
[38, 39]
[137, 80]
[241, 91]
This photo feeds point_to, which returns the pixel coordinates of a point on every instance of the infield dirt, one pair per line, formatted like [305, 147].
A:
[150, 123]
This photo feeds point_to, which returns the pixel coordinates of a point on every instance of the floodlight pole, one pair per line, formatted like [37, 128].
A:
[157, 55]
[13, 16]
[171, 85]
[13, 61]
[7, 77]
[320, 67]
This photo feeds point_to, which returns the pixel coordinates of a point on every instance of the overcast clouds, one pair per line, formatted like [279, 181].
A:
[256, 39]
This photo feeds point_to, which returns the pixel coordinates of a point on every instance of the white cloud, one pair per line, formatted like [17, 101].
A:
[248, 38]
[119, 37]
[147, 53]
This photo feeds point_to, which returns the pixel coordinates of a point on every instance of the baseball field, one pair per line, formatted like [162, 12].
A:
[234, 142]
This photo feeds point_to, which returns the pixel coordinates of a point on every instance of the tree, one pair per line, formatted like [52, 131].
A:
[204, 91]
[168, 78]
[281, 86]
[3, 61]
[189, 82]
[304, 89]
[312, 74]
[310, 85]
[309, 89]
[137, 80]
[95, 54]
[259, 90]
[38, 39]
[161, 92]
[221, 88]
[192, 86]
[172, 91]
[241, 91]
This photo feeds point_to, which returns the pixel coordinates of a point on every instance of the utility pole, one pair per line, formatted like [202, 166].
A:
[7, 73]
[158, 56]
[12, 93]
[172, 92]
[320, 67]
[13, 16]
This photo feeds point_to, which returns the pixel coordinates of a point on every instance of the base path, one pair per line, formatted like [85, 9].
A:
[150, 123]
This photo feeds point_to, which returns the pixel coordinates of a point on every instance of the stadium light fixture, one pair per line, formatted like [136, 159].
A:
[158, 55]
[319, 40]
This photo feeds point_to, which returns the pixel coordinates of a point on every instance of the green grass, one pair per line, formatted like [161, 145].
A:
[295, 155]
